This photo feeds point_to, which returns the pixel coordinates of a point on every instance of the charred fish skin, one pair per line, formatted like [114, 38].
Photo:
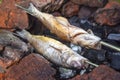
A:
[54, 51]
[63, 29]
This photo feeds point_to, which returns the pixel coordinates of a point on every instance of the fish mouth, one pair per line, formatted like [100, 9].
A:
[96, 45]
[78, 64]
[75, 64]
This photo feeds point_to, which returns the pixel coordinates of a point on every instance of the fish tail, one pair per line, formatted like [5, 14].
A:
[32, 10]
[24, 34]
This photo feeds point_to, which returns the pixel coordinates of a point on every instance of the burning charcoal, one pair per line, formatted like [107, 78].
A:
[66, 73]
[91, 3]
[113, 36]
[10, 16]
[95, 55]
[109, 15]
[8, 39]
[114, 58]
[70, 9]
[54, 51]
[62, 28]
[32, 67]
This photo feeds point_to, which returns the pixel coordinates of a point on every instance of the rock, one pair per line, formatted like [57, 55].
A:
[84, 12]
[109, 15]
[100, 73]
[70, 9]
[2, 76]
[11, 17]
[9, 56]
[91, 3]
[113, 36]
[32, 67]
[114, 58]
[76, 77]
[95, 55]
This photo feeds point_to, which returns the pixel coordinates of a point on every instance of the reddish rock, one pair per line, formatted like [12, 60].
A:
[85, 12]
[56, 14]
[76, 78]
[32, 67]
[11, 17]
[70, 9]
[91, 3]
[12, 49]
[10, 56]
[100, 73]
[109, 15]
[2, 76]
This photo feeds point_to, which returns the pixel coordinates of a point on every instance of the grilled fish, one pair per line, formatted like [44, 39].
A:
[63, 29]
[54, 50]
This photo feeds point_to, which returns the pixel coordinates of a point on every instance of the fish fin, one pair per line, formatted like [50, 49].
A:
[90, 31]
[29, 10]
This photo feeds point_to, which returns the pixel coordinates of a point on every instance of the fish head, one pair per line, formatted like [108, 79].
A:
[76, 61]
[88, 41]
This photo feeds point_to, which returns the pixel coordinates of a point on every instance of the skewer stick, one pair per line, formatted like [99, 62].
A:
[110, 45]
[91, 63]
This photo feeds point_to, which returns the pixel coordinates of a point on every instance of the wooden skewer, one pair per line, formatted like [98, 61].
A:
[91, 63]
[110, 45]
